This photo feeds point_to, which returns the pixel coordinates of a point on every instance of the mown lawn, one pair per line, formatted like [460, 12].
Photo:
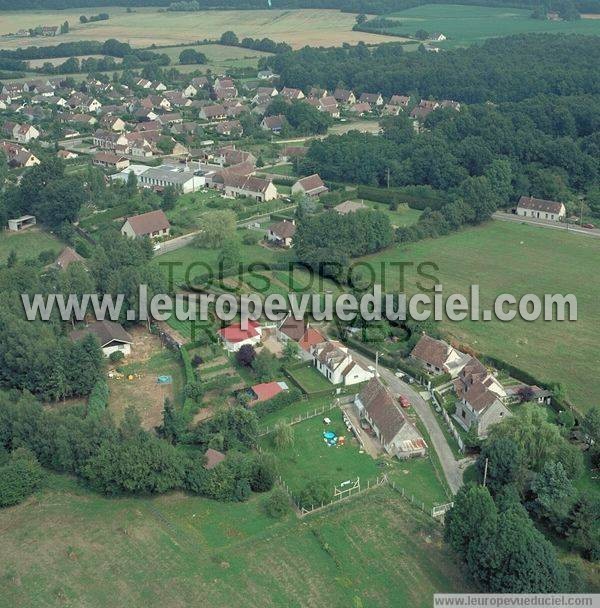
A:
[311, 380]
[67, 546]
[28, 244]
[518, 259]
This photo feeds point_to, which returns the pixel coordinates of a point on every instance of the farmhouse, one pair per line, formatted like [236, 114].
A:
[377, 407]
[371, 98]
[282, 233]
[481, 398]
[108, 160]
[337, 365]
[437, 37]
[343, 96]
[112, 337]
[310, 186]
[153, 224]
[292, 94]
[301, 332]
[234, 337]
[250, 186]
[273, 123]
[528, 206]
[18, 156]
[438, 357]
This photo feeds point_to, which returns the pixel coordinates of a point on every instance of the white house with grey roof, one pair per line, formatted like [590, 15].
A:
[528, 206]
[337, 365]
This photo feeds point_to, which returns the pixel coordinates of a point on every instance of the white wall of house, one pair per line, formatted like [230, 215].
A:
[233, 347]
[543, 215]
[114, 347]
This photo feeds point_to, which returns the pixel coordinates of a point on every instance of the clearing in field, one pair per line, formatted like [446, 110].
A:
[517, 259]
[464, 25]
[179, 550]
[146, 26]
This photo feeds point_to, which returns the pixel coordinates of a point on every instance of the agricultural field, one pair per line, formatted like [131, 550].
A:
[28, 244]
[179, 550]
[146, 26]
[465, 25]
[518, 259]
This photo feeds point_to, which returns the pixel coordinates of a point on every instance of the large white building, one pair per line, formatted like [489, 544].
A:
[184, 178]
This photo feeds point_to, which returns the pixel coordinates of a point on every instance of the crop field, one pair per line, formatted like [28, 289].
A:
[464, 25]
[146, 26]
[28, 244]
[179, 550]
[513, 258]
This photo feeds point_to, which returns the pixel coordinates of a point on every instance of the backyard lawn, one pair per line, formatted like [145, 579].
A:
[28, 244]
[311, 380]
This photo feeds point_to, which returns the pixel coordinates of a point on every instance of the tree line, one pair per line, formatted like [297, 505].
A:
[529, 468]
[493, 71]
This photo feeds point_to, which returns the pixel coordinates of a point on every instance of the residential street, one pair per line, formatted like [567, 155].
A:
[453, 469]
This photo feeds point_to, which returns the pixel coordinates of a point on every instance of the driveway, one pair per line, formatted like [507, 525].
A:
[453, 469]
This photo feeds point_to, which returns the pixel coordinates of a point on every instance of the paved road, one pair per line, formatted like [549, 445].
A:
[510, 217]
[453, 469]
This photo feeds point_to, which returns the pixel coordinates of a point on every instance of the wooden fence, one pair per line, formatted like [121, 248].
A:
[301, 417]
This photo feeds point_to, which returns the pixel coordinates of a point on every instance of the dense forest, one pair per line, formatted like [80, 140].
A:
[352, 6]
[494, 71]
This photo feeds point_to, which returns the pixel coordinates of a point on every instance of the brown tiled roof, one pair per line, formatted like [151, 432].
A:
[105, 331]
[249, 183]
[538, 204]
[283, 229]
[294, 328]
[312, 183]
[150, 222]
[431, 351]
[213, 458]
[383, 409]
[349, 207]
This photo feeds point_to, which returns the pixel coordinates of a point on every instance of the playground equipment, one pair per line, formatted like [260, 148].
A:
[164, 380]
[330, 438]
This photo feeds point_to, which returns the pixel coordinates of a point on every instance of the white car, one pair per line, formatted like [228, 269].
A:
[156, 247]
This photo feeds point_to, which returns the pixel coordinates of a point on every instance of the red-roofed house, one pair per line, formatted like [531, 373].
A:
[153, 224]
[234, 337]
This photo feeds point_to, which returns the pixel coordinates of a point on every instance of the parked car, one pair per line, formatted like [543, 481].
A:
[590, 226]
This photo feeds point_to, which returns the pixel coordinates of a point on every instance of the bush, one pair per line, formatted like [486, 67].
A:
[19, 478]
[278, 503]
[116, 356]
[98, 399]
[315, 493]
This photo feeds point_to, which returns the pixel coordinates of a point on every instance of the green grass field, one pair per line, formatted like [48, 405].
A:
[218, 56]
[66, 546]
[514, 258]
[28, 244]
[403, 216]
[464, 25]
